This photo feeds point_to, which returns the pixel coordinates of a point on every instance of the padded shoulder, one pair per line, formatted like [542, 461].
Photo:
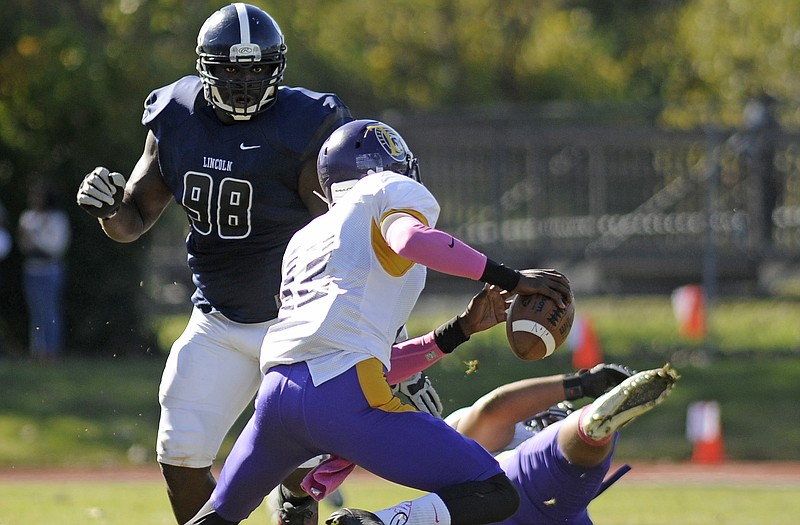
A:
[176, 101]
[307, 118]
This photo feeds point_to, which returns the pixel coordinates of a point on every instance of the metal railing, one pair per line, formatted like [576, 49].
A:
[627, 208]
[643, 206]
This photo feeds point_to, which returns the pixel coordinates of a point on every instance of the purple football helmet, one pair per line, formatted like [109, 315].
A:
[359, 148]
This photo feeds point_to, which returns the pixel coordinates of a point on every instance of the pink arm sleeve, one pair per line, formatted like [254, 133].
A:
[437, 250]
[412, 356]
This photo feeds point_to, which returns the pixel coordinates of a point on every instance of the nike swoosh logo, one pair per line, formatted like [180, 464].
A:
[243, 147]
[452, 242]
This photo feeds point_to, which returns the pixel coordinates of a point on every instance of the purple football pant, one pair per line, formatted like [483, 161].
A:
[354, 416]
[552, 491]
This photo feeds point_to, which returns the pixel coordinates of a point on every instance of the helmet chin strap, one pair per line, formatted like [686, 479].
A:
[322, 198]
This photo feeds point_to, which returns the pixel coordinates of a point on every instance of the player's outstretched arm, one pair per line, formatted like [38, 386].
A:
[484, 310]
[409, 358]
[440, 251]
[126, 209]
[492, 419]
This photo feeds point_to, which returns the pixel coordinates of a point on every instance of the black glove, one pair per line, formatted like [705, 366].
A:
[100, 194]
[547, 417]
[596, 381]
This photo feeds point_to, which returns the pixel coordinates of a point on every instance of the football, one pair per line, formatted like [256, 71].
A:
[536, 326]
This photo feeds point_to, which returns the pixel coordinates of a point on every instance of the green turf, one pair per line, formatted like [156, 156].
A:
[134, 503]
[632, 323]
[627, 325]
[78, 412]
[104, 411]
[696, 505]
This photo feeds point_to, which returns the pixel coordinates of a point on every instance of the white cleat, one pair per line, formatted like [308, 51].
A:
[633, 397]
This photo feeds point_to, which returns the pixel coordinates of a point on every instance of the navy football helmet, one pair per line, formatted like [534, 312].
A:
[359, 148]
[241, 60]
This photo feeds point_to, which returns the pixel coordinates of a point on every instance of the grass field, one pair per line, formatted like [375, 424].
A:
[104, 411]
[101, 413]
[627, 325]
[69, 501]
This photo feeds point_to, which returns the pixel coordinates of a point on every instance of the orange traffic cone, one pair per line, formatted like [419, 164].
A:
[586, 351]
[688, 304]
[704, 430]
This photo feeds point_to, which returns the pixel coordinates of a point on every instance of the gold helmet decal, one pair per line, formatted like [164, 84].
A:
[390, 140]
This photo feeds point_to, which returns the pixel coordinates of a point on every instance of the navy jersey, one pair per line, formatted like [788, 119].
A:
[239, 187]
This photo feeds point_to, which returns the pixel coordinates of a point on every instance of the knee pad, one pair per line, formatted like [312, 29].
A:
[488, 501]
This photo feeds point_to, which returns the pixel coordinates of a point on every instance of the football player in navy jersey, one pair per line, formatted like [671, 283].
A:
[237, 150]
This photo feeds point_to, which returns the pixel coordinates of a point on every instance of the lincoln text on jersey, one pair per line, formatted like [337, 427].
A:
[217, 164]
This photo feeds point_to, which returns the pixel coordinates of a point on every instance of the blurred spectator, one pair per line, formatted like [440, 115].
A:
[5, 235]
[43, 236]
[758, 151]
[5, 247]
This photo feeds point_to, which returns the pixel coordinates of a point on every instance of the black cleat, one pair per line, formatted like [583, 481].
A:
[293, 511]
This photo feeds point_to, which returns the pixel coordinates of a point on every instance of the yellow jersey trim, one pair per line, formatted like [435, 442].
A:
[392, 263]
[376, 390]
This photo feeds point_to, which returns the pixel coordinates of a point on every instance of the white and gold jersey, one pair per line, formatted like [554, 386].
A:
[344, 293]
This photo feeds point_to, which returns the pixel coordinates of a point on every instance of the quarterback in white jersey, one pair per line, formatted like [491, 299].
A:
[350, 280]
[345, 293]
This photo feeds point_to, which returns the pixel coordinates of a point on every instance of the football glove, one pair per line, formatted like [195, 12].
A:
[595, 381]
[420, 392]
[547, 417]
[100, 194]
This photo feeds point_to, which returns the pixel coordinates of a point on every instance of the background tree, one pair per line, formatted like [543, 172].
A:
[74, 74]
[733, 51]
[74, 78]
